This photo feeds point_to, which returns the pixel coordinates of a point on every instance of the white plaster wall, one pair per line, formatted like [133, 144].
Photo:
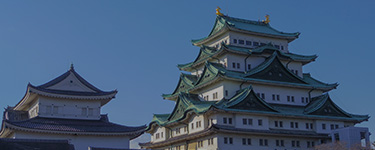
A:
[194, 119]
[286, 124]
[254, 61]
[237, 142]
[284, 92]
[319, 123]
[160, 130]
[69, 108]
[293, 65]
[239, 122]
[210, 90]
[182, 131]
[254, 38]
[80, 142]
[217, 41]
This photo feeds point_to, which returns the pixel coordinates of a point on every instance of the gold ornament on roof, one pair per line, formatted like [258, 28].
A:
[267, 19]
[218, 11]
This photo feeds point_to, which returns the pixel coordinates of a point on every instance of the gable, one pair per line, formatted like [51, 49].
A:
[249, 102]
[178, 111]
[329, 109]
[276, 71]
[70, 83]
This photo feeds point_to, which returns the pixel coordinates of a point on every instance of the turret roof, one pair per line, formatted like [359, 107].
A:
[271, 71]
[247, 101]
[69, 85]
[206, 53]
[223, 23]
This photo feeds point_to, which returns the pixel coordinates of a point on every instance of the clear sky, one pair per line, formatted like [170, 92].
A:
[134, 47]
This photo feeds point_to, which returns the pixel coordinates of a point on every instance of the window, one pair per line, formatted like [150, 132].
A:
[241, 42]
[157, 135]
[49, 109]
[311, 126]
[323, 126]
[288, 98]
[161, 134]
[310, 144]
[230, 140]
[265, 142]
[210, 141]
[263, 96]
[261, 142]
[225, 140]
[238, 65]
[200, 144]
[336, 126]
[273, 97]
[293, 143]
[234, 65]
[307, 125]
[291, 124]
[278, 97]
[332, 127]
[246, 141]
[296, 72]
[178, 130]
[248, 42]
[262, 44]
[84, 112]
[235, 41]
[292, 98]
[250, 121]
[256, 43]
[229, 120]
[296, 124]
[248, 66]
[244, 121]
[185, 128]
[91, 111]
[302, 99]
[307, 99]
[279, 124]
[277, 143]
[55, 109]
[277, 46]
[260, 122]
[192, 125]
[282, 47]
[214, 95]
[226, 93]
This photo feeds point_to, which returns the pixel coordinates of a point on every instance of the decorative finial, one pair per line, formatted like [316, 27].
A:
[267, 21]
[71, 66]
[218, 11]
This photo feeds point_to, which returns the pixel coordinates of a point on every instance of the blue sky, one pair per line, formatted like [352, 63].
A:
[134, 47]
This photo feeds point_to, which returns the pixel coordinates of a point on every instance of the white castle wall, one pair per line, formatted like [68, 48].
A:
[80, 142]
[69, 108]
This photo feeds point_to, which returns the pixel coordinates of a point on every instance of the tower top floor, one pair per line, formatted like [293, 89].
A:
[245, 33]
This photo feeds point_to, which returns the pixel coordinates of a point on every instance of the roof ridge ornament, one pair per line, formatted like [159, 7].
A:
[267, 21]
[71, 66]
[218, 11]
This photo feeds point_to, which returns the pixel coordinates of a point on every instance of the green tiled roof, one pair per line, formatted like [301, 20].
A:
[267, 72]
[247, 101]
[254, 27]
[206, 54]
